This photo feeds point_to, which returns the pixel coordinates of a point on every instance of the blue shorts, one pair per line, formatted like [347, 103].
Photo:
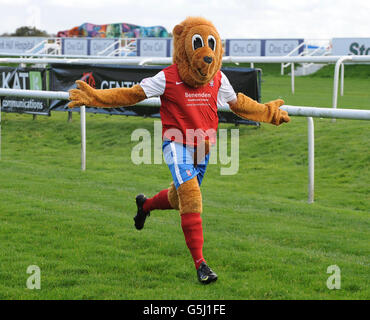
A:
[180, 161]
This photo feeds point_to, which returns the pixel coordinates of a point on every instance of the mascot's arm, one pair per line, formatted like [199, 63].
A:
[105, 98]
[250, 109]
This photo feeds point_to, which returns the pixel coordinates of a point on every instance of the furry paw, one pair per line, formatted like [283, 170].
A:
[281, 116]
[82, 96]
[284, 116]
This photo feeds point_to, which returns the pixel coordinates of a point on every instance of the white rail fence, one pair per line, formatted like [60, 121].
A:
[309, 112]
[82, 60]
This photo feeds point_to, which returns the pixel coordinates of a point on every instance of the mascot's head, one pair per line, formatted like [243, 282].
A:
[197, 51]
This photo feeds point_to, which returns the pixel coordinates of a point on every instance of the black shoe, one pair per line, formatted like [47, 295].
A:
[205, 274]
[141, 215]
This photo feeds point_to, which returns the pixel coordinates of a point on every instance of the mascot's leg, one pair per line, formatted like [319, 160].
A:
[190, 201]
[184, 195]
[187, 177]
[159, 201]
[164, 200]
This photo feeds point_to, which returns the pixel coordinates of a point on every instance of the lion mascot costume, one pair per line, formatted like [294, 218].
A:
[190, 89]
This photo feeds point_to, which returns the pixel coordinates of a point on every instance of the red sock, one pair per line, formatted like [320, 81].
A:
[191, 224]
[159, 201]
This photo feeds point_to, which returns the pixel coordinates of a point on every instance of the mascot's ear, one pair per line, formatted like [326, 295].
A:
[178, 30]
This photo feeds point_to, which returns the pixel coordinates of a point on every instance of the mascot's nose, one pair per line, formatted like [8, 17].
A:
[208, 59]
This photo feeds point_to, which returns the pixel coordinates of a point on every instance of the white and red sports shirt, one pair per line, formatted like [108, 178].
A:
[189, 110]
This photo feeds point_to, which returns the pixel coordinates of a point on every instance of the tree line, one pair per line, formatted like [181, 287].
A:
[26, 31]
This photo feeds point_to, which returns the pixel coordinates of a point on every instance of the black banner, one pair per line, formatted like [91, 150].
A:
[63, 78]
[23, 79]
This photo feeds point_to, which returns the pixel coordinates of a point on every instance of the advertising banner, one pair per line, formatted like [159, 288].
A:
[19, 44]
[63, 78]
[262, 47]
[351, 46]
[98, 45]
[75, 46]
[23, 78]
[282, 47]
[154, 47]
[243, 47]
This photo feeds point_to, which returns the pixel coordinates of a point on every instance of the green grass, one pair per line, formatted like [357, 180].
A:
[358, 71]
[261, 236]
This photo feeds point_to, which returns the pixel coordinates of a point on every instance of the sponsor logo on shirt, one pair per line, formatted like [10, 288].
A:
[197, 99]
[197, 95]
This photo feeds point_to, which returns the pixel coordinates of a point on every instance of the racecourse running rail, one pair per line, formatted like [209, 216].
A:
[338, 60]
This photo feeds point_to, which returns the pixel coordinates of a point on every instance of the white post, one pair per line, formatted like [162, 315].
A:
[292, 76]
[311, 159]
[252, 65]
[83, 137]
[336, 78]
[282, 69]
[342, 80]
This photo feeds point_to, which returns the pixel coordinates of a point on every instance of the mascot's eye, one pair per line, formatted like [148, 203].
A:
[197, 42]
[212, 42]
